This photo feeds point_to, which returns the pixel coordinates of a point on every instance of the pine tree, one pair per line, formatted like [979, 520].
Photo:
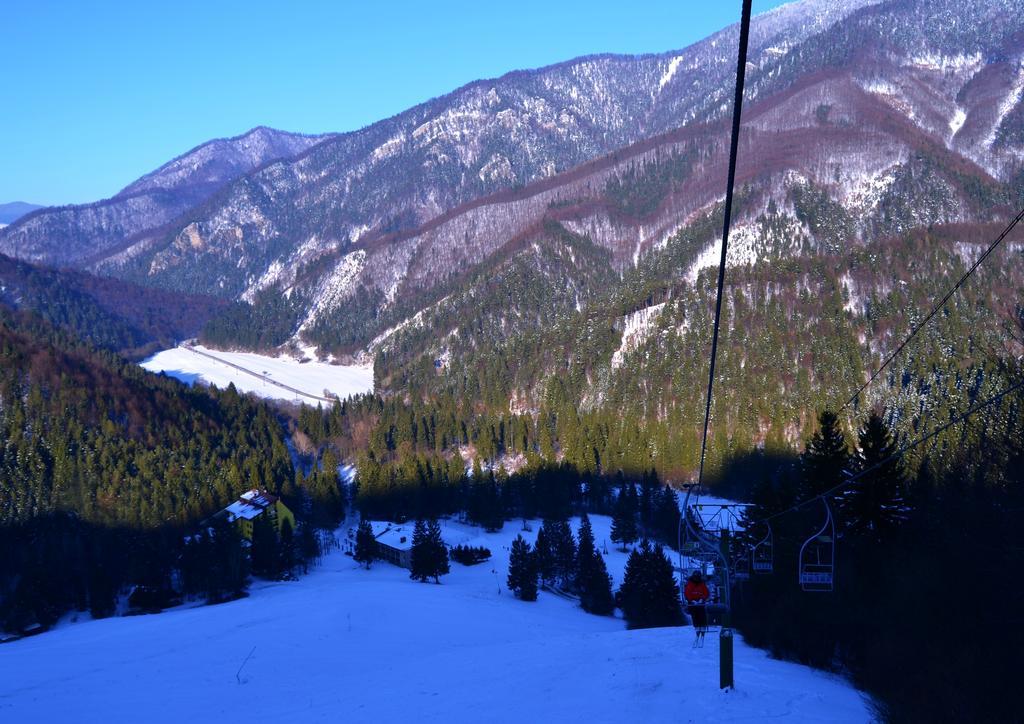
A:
[366, 544]
[873, 506]
[522, 570]
[624, 523]
[592, 580]
[229, 567]
[826, 459]
[634, 589]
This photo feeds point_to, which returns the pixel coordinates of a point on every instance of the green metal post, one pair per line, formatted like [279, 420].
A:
[725, 668]
[725, 663]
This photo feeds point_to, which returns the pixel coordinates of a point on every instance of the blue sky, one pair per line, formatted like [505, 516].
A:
[95, 94]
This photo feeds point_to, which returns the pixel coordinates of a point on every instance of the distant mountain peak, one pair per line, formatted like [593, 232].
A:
[14, 210]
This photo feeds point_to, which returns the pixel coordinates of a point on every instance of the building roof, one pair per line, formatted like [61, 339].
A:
[391, 534]
[394, 535]
[249, 505]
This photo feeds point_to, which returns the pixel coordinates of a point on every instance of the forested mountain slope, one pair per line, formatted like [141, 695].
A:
[867, 128]
[535, 243]
[401, 172]
[115, 444]
[108, 313]
[104, 470]
[78, 235]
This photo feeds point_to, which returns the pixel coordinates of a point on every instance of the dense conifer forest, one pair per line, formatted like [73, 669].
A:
[105, 470]
[109, 314]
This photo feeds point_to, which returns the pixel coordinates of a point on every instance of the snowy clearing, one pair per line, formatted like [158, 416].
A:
[345, 644]
[637, 328]
[275, 378]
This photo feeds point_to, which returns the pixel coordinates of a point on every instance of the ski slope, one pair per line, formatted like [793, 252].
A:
[276, 378]
[348, 645]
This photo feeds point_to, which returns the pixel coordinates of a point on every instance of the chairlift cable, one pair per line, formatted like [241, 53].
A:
[741, 69]
[935, 310]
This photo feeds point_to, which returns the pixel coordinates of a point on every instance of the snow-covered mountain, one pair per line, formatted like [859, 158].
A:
[11, 212]
[403, 171]
[73, 235]
[898, 114]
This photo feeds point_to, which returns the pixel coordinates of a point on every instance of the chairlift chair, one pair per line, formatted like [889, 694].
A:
[741, 565]
[700, 550]
[763, 554]
[818, 557]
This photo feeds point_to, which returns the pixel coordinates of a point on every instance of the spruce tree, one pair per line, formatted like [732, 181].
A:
[325, 493]
[420, 568]
[264, 549]
[873, 506]
[366, 544]
[429, 554]
[522, 570]
[664, 605]
[287, 551]
[649, 596]
[564, 547]
[666, 516]
[439, 551]
[624, 523]
[544, 555]
[592, 580]
[633, 591]
[826, 459]
[649, 485]
[308, 545]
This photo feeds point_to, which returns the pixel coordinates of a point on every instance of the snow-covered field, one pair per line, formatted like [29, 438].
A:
[348, 645]
[280, 378]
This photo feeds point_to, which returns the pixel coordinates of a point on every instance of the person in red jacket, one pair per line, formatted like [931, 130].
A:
[697, 596]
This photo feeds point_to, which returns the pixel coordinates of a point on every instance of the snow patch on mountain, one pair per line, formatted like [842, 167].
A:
[957, 121]
[1013, 97]
[496, 169]
[862, 192]
[415, 320]
[942, 63]
[743, 251]
[636, 328]
[267, 279]
[673, 65]
[854, 299]
[335, 288]
[389, 148]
